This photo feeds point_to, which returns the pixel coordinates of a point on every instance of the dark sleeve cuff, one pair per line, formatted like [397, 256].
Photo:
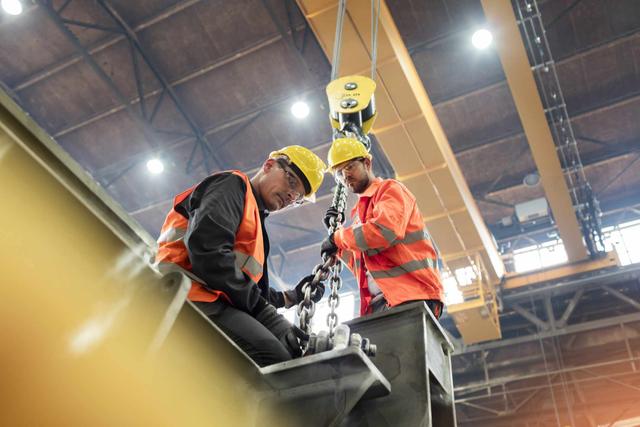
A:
[276, 298]
[292, 295]
[260, 305]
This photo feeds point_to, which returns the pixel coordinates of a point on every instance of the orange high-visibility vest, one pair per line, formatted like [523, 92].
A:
[389, 239]
[248, 247]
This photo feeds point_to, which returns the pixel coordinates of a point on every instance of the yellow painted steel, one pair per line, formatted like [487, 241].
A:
[84, 317]
[407, 127]
[477, 317]
[554, 273]
[525, 94]
[359, 90]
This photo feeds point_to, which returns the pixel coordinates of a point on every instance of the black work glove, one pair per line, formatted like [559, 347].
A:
[328, 247]
[331, 213]
[286, 333]
[316, 292]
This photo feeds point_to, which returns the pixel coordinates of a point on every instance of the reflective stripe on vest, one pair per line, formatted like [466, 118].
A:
[248, 264]
[171, 235]
[168, 267]
[413, 237]
[358, 234]
[248, 247]
[405, 268]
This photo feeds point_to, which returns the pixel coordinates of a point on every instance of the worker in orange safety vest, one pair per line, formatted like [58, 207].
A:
[387, 247]
[215, 234]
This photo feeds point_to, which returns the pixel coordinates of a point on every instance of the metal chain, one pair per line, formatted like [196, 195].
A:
[334, 298]
[339, 203]
[329, 268]
[307, 307]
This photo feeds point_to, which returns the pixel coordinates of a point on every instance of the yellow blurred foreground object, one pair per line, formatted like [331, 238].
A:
[90, 334]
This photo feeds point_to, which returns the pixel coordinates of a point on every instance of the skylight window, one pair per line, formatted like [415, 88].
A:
[539, 256]
[625, 239]
[452, 293]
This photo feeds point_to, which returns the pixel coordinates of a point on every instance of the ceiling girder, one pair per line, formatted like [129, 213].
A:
[525, 94]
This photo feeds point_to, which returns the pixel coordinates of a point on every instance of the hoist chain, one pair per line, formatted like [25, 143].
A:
[339, 204]
[330, 268]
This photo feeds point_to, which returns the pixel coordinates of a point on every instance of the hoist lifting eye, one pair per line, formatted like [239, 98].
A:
[351, 100]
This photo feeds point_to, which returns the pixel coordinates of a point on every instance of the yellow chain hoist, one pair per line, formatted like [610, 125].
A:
[352, 112]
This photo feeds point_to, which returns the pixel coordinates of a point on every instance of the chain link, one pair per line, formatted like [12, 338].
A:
[329, 268]
[307, 307]
[334, 298]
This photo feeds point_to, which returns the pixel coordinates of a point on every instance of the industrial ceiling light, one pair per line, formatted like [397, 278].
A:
[12, 7]
[300, 109]
[155, 166]
[482, 38]
[531, 180]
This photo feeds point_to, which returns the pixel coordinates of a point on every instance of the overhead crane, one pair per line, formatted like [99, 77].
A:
[391, 368]
[412, 137]
[106, 312]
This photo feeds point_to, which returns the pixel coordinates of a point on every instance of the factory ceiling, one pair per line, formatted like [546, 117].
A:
[208, 85]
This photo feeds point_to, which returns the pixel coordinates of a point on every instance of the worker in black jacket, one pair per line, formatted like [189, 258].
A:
[215, 233]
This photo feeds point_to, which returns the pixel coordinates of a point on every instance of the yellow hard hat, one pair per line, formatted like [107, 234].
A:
[306, 164]
[345, 149]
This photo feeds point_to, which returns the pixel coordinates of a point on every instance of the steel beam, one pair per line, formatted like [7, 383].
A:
[531, 317]
[572, 329]
[529, 105]
[133, 39]
[160, 92]
[58, 21]
[608, 378]
[622, 297]
[608, 105]
[555, 273]
[602, 189]
[571, 306]
[543, 415]
[497, 381]
[628, 347]
[50, 70]
[145, 123]
[482, 408]
[73, 320]
[616, 150]
[596, 279]
[551, 319]
[538, 387]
